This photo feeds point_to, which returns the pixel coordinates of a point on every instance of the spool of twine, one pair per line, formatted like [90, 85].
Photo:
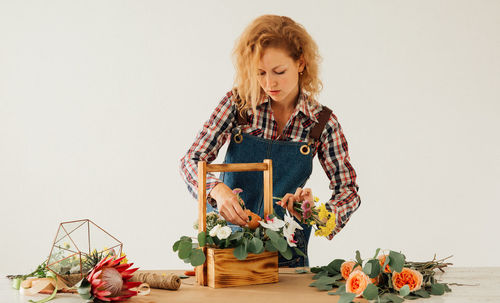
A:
[162, 281]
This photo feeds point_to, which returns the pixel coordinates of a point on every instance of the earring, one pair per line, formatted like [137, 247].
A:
[301, 73]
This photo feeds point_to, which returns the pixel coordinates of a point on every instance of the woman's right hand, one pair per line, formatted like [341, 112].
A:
[228, 205]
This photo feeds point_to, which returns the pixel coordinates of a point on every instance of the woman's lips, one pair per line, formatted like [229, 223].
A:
[274, 92]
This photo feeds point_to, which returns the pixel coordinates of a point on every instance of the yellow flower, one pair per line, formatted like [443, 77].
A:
[331, 222]
[323, 231]
[323, 213]
[316, 199]
[125, 260]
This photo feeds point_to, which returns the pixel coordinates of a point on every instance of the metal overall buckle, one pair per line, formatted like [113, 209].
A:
[238, 137]
[305, 149]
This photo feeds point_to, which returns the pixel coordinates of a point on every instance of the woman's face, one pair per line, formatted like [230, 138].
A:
[278, 75]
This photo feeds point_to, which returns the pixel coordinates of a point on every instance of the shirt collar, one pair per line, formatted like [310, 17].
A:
[303, 106]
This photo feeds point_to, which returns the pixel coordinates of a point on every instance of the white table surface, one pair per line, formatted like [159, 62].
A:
[483, 285]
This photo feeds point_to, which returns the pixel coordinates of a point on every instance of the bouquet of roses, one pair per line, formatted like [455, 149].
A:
[268, 234]
[383, 278]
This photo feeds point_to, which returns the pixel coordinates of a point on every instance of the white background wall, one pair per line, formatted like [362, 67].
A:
[100, 99]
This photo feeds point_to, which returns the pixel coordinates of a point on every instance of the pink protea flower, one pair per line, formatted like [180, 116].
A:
[109, 280]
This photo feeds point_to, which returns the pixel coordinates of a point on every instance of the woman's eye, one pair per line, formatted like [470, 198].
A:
[281, 73]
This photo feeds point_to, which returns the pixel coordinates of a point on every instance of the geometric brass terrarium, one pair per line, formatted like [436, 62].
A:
[77, 247]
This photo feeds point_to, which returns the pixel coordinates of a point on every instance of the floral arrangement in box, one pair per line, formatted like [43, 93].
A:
[383, 278]
[269, 234]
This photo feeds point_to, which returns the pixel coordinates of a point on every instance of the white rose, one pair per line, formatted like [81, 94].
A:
[214, 230]
[224, 232]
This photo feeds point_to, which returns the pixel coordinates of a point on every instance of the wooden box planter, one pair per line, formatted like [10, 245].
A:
[222, 268]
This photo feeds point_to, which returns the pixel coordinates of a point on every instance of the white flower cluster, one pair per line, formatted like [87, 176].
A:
[289, 226]
[222, 232]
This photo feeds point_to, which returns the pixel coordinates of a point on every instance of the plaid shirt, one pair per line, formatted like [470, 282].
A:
[331, 148]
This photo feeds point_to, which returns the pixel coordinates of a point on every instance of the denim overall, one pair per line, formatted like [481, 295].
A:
[292, 166]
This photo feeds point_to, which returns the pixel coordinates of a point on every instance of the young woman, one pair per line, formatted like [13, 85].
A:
[272, 113]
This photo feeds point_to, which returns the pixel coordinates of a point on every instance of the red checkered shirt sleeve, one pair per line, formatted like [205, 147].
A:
[333, 155]
[209, 140]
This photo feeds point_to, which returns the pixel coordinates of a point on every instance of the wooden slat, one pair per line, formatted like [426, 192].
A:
[236, 167]
[268, 188]
[201, 272]
[224, 270]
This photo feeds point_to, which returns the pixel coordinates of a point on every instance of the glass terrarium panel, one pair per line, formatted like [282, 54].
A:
[64, 260]
[102, 241]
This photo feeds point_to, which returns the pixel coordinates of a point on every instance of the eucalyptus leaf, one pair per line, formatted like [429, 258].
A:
[202, 238]
[422, 293]
[358, 258]
[269, 246]
[346, 297]
[209, 240]
[287, 254]
[236, 236]
[175, 247]
[336, 264]
[255, 245]
[197, 257]
[278, 241]
[437, 289]
[240, 252]
[316, 269]
[367, 269]
[387, 260]
[301, 271]
[404, 291]
[370, 292]
[320, 274]
[299, 252]
[340, 290]
[185, 249]
[397, 261]
[374, 268]
[324, 287]
[393, 298]
[376, 253]
[257, 232]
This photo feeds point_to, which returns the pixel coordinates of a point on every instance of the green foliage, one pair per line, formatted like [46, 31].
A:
[255, 246]
[404, 291]
[371, 292]
[397, 261]
[437, 289]
[197, 257]
[346, 298]
[325, 282]
[335, 265]
[422, 293]
[202, 236]
[240, 252]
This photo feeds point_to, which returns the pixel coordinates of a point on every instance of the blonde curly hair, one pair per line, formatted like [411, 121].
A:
[279, 32]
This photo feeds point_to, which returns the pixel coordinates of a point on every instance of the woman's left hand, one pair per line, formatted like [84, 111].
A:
[300, 195]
